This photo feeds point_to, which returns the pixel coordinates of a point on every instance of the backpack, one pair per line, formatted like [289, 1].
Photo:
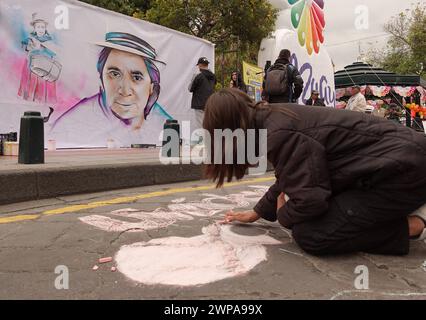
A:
[277, 81]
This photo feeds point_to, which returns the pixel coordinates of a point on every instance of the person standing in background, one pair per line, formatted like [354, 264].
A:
[283, 82]
[357, 102]
[315, 100]
[237, 82]
[202, 87]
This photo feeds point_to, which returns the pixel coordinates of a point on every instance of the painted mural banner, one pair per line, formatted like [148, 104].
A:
[107, 76]
[300, 28]
[253, 78]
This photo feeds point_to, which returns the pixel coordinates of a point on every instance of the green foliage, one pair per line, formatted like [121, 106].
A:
[216, 20]
[135, 8]
[406, 48]
[233, 25]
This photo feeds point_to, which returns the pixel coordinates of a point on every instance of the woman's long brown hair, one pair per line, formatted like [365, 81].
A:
[230, 109]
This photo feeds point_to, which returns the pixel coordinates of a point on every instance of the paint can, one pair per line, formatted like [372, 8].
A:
[51, 145]
[110, 144]
[7, 148]
[15, 148]
[11, 148]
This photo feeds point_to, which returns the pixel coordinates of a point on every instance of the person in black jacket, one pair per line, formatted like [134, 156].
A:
[295, 81]
[315, 100]
[354, 182]
[202, 87]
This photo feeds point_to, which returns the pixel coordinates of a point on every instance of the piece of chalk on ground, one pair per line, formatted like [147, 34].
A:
[113, 269]
[95, 268]
[105, 260]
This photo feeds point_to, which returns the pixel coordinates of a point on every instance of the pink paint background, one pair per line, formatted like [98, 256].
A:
[66, 96]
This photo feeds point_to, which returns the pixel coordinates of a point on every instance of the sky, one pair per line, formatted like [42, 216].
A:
[340, 26]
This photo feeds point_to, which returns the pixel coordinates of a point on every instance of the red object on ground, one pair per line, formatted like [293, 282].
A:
[105, 260]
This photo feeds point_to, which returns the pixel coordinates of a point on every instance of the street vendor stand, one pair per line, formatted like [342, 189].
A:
[381, 88]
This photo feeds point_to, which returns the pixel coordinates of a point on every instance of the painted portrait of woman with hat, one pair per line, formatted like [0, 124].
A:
[41, 69]
[126, 107]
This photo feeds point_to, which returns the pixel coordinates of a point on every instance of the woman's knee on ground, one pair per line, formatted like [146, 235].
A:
[310, 240]
[307, 237]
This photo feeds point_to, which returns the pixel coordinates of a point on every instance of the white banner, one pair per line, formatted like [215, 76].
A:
[108, 77]
[300, 29]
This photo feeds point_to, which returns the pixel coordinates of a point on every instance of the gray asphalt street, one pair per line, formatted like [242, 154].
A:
[166, 243]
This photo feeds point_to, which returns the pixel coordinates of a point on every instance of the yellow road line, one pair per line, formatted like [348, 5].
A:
[154, 194]
[120, 200]
[19, 218]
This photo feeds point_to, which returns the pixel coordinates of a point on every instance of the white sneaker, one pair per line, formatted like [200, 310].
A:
[421, 213]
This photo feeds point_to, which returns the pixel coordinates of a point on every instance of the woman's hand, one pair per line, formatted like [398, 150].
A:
[244, 217]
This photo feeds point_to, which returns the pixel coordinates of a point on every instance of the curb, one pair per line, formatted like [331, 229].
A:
[18, 186]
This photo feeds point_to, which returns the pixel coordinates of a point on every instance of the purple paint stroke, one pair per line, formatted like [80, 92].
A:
[70, 110]
[326, 92]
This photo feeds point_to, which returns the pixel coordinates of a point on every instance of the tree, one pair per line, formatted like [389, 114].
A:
[135, 8]
[406, 47]
[233, 25]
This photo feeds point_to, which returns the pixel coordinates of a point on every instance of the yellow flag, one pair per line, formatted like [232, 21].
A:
[253, 78]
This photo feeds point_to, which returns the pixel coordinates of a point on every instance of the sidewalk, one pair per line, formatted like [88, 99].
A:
[76, 171]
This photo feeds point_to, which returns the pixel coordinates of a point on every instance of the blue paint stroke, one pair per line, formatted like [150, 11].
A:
[161, 111]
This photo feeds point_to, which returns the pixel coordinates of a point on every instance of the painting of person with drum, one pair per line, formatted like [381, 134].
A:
[41, 69]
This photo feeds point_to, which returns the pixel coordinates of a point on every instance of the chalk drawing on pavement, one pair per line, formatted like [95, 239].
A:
[177, 210]
[218, 253]
[215, 255]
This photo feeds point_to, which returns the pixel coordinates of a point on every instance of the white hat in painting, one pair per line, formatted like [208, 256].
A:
[129, 43]
[36, 18]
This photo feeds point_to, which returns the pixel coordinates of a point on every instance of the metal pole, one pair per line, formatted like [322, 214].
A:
[238, 58]
[223, 63]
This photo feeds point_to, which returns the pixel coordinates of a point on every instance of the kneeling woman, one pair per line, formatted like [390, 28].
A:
[355, 182]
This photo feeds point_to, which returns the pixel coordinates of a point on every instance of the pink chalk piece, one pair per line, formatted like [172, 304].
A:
[113, 269]
[95, 268]
[105, 260]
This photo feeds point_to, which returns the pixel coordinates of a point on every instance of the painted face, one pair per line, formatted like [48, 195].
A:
[40, 28]
[127, 84]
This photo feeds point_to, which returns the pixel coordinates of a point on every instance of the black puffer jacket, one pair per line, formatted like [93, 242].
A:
[328, 151]
[202, 87]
